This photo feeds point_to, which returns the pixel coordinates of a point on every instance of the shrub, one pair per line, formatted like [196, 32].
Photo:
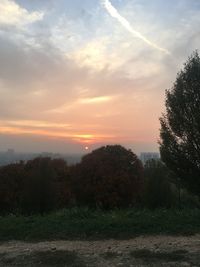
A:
[108, 177]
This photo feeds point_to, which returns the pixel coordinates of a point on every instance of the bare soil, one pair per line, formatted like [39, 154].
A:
[142, 251]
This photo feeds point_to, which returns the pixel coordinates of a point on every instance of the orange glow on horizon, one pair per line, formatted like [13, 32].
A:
[67, 134]
[79, 138]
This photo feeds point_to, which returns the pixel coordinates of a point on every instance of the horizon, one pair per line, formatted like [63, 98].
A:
[77, 76]
[65, 153]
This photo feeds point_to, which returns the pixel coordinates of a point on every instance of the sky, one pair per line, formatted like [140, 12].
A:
[85, 73]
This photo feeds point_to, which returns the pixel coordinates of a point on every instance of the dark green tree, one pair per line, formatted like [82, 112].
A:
[158, 191]
[180, 126]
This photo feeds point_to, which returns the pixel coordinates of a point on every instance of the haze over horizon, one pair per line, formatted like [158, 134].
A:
[76, 74]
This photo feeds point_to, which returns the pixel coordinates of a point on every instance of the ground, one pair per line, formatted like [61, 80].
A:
[141, 251]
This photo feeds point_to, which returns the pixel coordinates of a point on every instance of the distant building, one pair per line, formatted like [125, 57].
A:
[145, 156]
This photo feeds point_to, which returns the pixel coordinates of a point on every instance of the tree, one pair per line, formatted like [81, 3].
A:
[11, 181]
[158, 191]
[46, 186]
[37, 186]
[180, 126]
[108, 177]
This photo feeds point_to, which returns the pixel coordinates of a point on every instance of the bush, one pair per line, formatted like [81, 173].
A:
[39, 186]
[109, 177]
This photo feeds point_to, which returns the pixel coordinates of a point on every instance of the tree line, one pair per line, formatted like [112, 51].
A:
[109, 177]
[114, 177]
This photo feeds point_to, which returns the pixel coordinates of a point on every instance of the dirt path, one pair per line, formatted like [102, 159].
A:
[142, 251]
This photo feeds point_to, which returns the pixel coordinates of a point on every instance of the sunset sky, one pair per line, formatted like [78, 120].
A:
[84, 73]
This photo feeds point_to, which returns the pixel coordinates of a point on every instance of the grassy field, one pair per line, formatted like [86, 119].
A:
[87, 224]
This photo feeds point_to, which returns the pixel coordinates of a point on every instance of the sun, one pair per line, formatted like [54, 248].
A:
[86, 148]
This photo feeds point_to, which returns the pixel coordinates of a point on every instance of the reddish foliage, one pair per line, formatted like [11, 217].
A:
[110, 176]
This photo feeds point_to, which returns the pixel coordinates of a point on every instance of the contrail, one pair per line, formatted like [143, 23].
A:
[115, 14]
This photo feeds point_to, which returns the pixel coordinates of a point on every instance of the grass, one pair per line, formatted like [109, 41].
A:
[96, 224]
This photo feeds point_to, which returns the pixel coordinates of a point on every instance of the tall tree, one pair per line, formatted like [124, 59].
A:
[180, 126]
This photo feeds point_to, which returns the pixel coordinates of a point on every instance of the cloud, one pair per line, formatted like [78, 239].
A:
[31, 77]
[35, 124]
[93, 54]
[115, 14]
[12, 14]
[96, 100]
[51, 130]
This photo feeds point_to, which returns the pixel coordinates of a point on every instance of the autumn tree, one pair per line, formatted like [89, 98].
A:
[180, 126]
[108, 177]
